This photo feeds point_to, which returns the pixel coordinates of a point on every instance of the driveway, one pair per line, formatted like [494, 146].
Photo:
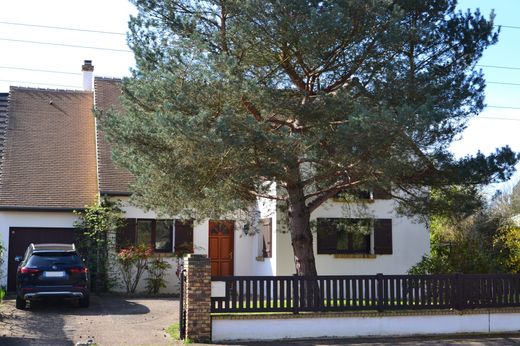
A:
[110, 320]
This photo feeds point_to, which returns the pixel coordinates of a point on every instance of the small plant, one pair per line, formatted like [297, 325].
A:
[133, 261]
[174, 331]
[2, 295]
[156, 269]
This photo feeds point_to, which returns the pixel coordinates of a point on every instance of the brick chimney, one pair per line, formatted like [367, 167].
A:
[88, 72]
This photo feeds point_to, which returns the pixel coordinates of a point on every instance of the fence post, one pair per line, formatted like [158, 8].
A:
[459, 291]
[295, 297]
[198, 298]
[380, 291]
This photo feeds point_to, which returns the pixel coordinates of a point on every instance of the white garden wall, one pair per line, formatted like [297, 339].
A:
[359, 325]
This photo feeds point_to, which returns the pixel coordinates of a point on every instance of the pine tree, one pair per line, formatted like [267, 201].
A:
[316, 96]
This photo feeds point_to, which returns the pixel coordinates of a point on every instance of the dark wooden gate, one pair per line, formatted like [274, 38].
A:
[182, 305]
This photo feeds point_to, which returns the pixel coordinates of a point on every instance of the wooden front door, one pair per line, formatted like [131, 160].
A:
[221, 247]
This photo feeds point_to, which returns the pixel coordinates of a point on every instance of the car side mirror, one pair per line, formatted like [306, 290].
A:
[18, 259]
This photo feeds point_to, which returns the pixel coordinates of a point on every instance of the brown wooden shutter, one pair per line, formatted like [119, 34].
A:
[126, 236]
[383, 236]
[183, 237]
[266, 230]
[381, 192]
[327, 236]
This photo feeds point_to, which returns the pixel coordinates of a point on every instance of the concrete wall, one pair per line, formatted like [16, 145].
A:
[272, 328]
[410, 241]
[29, 219]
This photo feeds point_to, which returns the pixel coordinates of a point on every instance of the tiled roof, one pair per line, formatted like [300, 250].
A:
[4, 101]
[50, 150]
[113, 180]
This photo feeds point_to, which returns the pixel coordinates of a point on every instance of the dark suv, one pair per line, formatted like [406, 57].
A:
[51, 271]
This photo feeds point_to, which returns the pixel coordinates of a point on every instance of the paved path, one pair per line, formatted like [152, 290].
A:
[110, 320]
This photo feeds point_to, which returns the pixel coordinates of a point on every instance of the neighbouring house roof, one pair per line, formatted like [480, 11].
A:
[113, 180]
[4, 101]
[50, 150]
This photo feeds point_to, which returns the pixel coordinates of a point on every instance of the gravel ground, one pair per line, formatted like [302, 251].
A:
[110, 320]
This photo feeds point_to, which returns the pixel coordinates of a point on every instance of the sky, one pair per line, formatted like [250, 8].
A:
[26, 58]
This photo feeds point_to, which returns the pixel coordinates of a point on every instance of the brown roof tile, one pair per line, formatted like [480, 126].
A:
[50, 152]
[4, 102]
[113, 179]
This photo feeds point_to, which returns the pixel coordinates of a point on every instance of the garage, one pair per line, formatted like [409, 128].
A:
[21, 237]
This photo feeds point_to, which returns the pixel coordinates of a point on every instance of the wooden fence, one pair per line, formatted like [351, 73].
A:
[365, 292]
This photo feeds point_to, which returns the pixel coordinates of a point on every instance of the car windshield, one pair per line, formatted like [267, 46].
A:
[53, 258]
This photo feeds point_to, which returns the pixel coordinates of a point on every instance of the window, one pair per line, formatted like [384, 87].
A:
[163, 235]
[353, 194]
[144, 232]
[183, 237]
[266, 236]
[157, 233]
[338, 236]
[363, 193]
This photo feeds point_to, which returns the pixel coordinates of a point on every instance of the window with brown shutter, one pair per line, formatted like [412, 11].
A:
[183, 237]
[266, 232]
[156, 233]
[381, 192]
[327, 236]
[344, 236]
[126, 236]
[383, 237]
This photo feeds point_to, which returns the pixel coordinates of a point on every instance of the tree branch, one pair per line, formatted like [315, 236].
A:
[291, 72]
[324, 195]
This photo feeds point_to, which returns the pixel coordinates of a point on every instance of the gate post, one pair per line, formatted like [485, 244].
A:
[198, 297]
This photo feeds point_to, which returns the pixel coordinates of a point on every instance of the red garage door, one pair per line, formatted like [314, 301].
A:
[21, 237]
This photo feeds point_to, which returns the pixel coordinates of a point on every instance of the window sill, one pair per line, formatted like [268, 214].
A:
[361, 200]
[354, 255]
[262, 258]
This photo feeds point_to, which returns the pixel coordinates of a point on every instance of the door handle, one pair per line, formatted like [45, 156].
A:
[231, 255]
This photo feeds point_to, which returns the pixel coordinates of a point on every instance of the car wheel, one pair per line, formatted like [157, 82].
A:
[84, 302]
[20, 303]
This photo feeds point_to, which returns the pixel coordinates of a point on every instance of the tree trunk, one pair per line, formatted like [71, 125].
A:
[301, 236]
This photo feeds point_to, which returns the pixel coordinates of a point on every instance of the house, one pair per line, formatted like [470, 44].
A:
[54, 160]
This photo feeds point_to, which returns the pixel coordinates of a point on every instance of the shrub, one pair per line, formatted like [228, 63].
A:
[132, 262]
[156, 269]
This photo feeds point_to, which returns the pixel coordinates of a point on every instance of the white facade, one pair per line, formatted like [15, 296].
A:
[410, 241]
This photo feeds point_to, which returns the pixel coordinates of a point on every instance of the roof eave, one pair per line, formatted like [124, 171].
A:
[38, 209]
[115, 193]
